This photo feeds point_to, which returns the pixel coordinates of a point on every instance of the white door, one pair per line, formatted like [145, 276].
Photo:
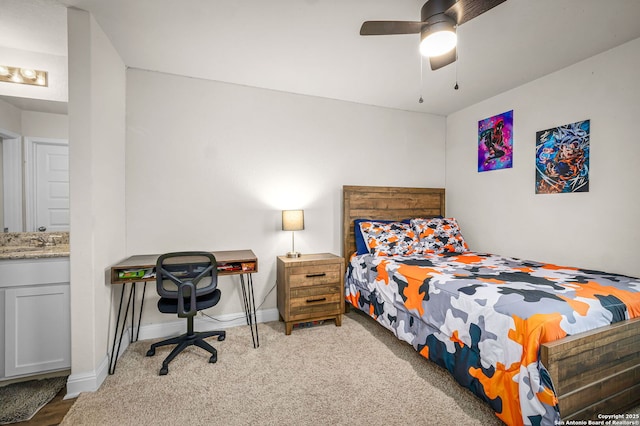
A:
[51, 186]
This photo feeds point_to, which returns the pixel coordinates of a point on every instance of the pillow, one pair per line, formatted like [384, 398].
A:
[390, 239]
[439, 235]
[361, 245]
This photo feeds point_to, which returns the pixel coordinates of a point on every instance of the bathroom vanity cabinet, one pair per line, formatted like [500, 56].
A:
[35, 332]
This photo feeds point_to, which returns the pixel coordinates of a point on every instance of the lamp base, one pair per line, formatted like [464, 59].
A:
[293, 254]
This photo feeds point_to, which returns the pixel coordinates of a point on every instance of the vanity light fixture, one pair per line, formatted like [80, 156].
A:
[23, 76]
[293, 220]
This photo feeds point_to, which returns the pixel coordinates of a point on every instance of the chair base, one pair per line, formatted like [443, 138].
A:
[183, 342]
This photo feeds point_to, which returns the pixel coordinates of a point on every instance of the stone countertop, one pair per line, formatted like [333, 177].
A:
[34, 252]
[33, 245]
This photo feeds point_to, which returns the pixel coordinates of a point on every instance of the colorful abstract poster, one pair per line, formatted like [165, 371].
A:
[562, 159]
[495, 142]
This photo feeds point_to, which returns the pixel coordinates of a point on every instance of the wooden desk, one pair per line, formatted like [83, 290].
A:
[230, 262]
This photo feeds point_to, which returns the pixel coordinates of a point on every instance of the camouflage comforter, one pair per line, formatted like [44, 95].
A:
[483, 317]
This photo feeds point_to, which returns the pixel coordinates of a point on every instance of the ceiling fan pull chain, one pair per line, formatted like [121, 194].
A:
[421, 100]
[456, 87]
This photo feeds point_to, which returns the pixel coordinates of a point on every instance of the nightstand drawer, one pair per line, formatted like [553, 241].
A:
[324, 304]
[316, 291]
[320, 299]
[314, 275]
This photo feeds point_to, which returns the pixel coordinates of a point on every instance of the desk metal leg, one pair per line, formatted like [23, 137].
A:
[113, 359]
[144, 290]
[133, 315]
[245, 300]
[250, 307]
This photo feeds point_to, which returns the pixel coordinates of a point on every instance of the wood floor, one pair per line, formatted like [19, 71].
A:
[52, 413]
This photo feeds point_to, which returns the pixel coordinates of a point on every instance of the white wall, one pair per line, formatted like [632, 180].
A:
[499, 211]
[96, 152]
[32, 123]
[211, 165]
[10, 117]
[45, 125]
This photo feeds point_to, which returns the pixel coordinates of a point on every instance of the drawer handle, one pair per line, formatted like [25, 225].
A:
[322, 274]
[322, 299]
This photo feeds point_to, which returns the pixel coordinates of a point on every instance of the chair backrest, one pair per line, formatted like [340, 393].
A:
[185, 276]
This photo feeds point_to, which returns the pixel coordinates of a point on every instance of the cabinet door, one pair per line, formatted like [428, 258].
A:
[37, 329]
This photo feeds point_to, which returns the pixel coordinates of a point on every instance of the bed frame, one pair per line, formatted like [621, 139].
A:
[597, 372]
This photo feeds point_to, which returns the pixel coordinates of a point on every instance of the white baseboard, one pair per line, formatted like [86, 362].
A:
[202, 323]
[87, 382]
[91, 381]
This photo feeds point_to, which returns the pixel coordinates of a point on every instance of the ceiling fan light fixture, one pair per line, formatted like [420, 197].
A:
[438, 38]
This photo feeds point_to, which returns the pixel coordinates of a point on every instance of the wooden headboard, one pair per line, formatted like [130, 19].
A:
[388, 203]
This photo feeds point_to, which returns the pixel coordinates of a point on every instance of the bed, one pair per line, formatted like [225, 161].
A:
[514, 332]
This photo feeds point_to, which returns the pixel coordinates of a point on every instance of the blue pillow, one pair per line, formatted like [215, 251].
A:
[361, 245]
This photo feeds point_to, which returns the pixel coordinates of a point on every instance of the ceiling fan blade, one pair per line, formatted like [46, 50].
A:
[437, 62]
[390, 27]
[465, 10]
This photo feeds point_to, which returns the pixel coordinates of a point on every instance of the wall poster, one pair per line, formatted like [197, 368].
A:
[495, 142]
[562, 159]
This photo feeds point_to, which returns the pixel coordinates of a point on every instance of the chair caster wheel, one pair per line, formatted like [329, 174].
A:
[221, 337]
[151, 352]
[213, 359]
[164, 370]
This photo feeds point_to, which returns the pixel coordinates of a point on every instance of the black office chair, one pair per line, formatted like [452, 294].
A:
[187, 283]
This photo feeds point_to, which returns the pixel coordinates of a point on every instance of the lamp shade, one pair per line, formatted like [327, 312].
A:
[292, 220]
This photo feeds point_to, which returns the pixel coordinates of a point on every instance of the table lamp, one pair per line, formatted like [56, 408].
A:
[292, 220]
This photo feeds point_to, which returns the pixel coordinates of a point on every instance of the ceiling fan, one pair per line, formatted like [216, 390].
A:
[437, 27]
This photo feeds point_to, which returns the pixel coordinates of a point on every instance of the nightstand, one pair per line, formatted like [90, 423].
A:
[310, 288]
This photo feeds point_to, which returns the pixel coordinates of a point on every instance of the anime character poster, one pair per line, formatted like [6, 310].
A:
[495, 142]
[562, 159]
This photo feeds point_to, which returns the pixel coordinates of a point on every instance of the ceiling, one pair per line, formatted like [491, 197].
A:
[313, 47]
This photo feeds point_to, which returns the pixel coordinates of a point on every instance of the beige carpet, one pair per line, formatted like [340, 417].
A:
[326, 375]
